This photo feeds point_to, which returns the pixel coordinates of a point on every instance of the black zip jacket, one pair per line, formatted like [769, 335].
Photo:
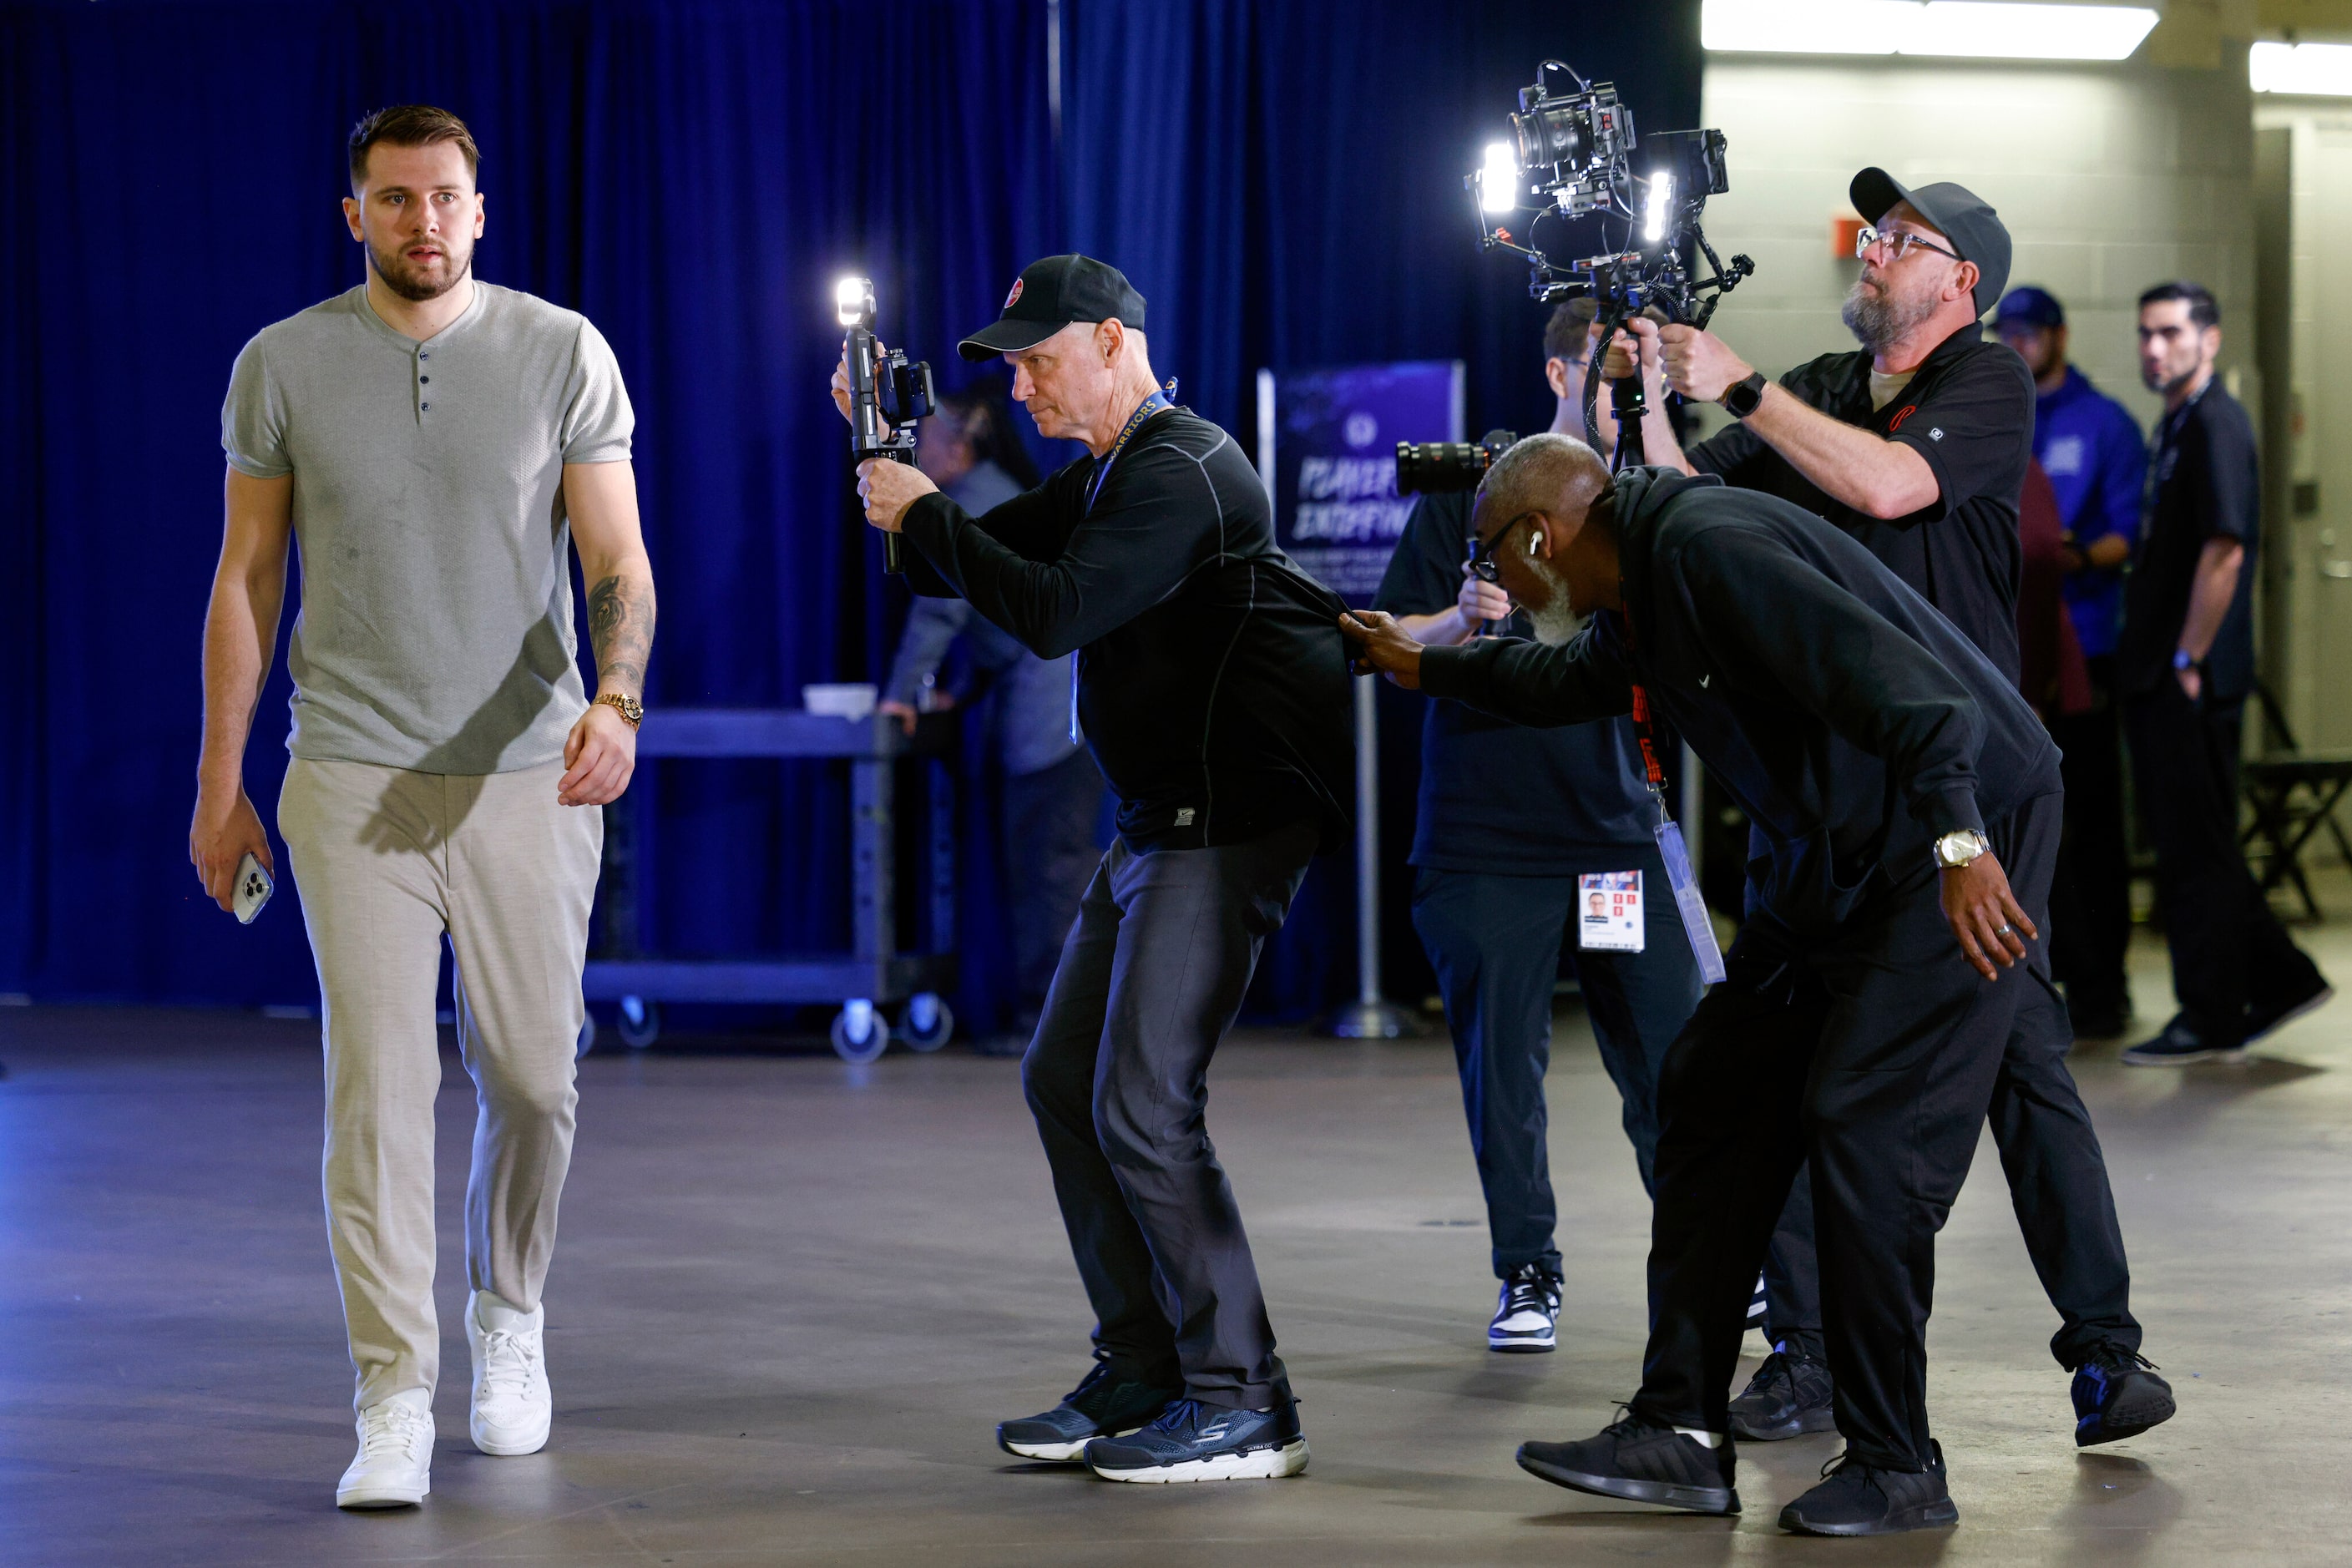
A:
[1213, 680]
[1850, 721]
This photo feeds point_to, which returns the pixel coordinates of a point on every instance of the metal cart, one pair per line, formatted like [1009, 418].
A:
[876, 974]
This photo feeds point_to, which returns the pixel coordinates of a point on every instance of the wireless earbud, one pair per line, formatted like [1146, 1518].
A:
[1535, 542]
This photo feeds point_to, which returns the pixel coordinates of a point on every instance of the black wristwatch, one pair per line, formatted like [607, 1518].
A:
[1741, 398]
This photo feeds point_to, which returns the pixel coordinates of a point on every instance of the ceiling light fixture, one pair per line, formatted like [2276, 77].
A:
[1980, 29]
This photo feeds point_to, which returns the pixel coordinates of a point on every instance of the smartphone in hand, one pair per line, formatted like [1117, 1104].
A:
[253, 889]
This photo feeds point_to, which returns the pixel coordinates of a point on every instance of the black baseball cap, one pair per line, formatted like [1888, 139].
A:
[2034, 307]
[1049, 296]
[1966, 219]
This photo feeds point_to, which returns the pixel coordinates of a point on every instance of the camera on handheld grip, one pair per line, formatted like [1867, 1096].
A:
[1575, 153]
[886, 392]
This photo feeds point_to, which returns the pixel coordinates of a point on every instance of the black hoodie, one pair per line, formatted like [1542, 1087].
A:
[1212, 678]
[1850, 721]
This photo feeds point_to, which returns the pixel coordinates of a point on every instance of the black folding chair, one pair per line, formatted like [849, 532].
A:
[2291, 795]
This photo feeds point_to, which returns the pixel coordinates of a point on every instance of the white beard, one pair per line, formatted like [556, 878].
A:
[1556, 624]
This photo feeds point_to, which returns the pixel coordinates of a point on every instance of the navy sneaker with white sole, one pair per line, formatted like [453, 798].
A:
[2265, 1017]
[1197, 1442]
[2181, 1046]
[1103, 1404]
[2117, 1396]
[1637, 1462]
[1526, 1311]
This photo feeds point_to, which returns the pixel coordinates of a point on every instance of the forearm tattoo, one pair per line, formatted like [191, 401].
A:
[621, 627]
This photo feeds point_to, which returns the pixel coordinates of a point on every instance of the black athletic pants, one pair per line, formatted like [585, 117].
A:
[2228, 949]
[1871, 1048]
[2057, 1184]
[1495, 942]
[2090, 899]
[1151, 979]
[1050, 855]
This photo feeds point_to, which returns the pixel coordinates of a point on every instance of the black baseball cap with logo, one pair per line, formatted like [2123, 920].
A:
[1049, 296]
[1966, 219]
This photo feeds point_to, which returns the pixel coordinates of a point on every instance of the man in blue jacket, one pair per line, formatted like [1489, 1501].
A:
[2096, 458]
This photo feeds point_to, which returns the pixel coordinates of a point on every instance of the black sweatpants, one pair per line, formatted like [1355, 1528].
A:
[1871, 1048]
[2090, 898]
[1495, 942]
[1150, 981]
[2228, 949]
[2057, 1184]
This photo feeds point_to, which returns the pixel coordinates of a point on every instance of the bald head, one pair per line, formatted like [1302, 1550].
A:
[1555, 475]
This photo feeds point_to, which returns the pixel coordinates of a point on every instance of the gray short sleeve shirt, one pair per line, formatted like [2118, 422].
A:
[435, 625]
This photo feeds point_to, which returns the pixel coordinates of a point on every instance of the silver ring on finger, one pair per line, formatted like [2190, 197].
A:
[2006, 929]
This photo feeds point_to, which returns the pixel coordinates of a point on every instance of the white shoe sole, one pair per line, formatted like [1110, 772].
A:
[1051, 1453]
[507, 1446]
[1521, 1345]
[360, 1499]
[1265, 1464]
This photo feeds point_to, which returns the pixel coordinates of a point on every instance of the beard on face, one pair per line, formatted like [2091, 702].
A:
[1557, 623]
[411, 282]
[1880, 318]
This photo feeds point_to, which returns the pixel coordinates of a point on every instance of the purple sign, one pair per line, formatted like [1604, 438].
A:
[1326, 452]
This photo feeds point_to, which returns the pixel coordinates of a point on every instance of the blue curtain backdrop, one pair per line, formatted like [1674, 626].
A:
[1282, 180]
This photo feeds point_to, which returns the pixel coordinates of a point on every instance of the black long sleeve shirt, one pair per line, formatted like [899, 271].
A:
[1852, 722]
[1213, 679]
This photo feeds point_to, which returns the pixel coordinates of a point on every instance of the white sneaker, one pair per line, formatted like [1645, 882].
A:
[395, 1467]
[513, 1406]
[1526, 1311]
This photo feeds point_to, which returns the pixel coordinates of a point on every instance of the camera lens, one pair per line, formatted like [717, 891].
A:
[1555, 134]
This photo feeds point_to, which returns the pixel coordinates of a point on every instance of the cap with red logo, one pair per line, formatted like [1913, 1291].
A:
[1049, 296]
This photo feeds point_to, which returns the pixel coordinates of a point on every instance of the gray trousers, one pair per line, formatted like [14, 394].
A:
[387, 862]
[1151, 979]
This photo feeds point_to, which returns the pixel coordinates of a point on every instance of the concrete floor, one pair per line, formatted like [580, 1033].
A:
[793, 1296]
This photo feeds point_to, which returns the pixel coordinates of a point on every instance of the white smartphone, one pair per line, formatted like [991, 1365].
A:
[253, 889]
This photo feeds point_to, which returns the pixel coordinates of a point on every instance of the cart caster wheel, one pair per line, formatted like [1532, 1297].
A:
[587, 1041]
[640, 1022]
[927, 1023]
[858, 1033]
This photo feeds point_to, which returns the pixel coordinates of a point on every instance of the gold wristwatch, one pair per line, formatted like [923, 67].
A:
[1954, 850]
[632, 712]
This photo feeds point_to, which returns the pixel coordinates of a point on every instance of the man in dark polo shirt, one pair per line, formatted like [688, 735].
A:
[1511, 820]
[1213, 691]
[1917, 445]
[2184, 664]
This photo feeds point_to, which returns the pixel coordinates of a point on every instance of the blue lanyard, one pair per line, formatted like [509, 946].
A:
[1143, 411]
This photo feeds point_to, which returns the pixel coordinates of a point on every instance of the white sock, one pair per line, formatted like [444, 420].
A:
[494, 1311]
[1704, 1439]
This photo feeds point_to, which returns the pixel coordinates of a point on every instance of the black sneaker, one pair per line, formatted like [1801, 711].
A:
[2118, 1394]
[1640, 1463]
[2179, 1045]
[1859, 1498]
[1787, 1397]
[1104, 1402]
[1527, 1315]
[1197, 1442]
[2263, 1018]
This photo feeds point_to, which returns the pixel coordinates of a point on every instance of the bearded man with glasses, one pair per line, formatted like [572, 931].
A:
[1917, 445]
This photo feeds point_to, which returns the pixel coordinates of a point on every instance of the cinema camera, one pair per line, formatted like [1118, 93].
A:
[1440, 467]
[886, 394]
[1576, 153]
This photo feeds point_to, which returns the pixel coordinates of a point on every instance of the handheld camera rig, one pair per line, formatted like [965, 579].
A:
[886, 394]
[1575, 152]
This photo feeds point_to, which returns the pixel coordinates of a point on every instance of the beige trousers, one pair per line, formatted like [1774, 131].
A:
[387, 861]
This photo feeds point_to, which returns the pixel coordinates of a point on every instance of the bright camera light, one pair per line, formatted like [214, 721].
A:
[1661, 202]
[1982, 29]
[853, 301]
[2317, 69]
[1498, 179]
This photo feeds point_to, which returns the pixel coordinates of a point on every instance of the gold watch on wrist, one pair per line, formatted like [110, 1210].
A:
[1954, 850]
[632, 712]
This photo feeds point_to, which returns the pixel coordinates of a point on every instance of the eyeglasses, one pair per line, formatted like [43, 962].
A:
[1483, 564]
[1897, 244]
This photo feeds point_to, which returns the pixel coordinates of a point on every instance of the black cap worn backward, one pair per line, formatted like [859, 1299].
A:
[1049, 296]
[1966, 219]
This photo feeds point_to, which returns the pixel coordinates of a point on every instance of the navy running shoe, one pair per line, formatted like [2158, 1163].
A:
[2264, 1017]
[1638, 1462]
[2118, 1394]
[1856, 1497]
[2181, 1046]
[1197, 1442]
[1104, 1402]
[1526, 1311]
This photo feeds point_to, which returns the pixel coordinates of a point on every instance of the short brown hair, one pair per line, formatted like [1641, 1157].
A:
[1568, 335]
[411, 125]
